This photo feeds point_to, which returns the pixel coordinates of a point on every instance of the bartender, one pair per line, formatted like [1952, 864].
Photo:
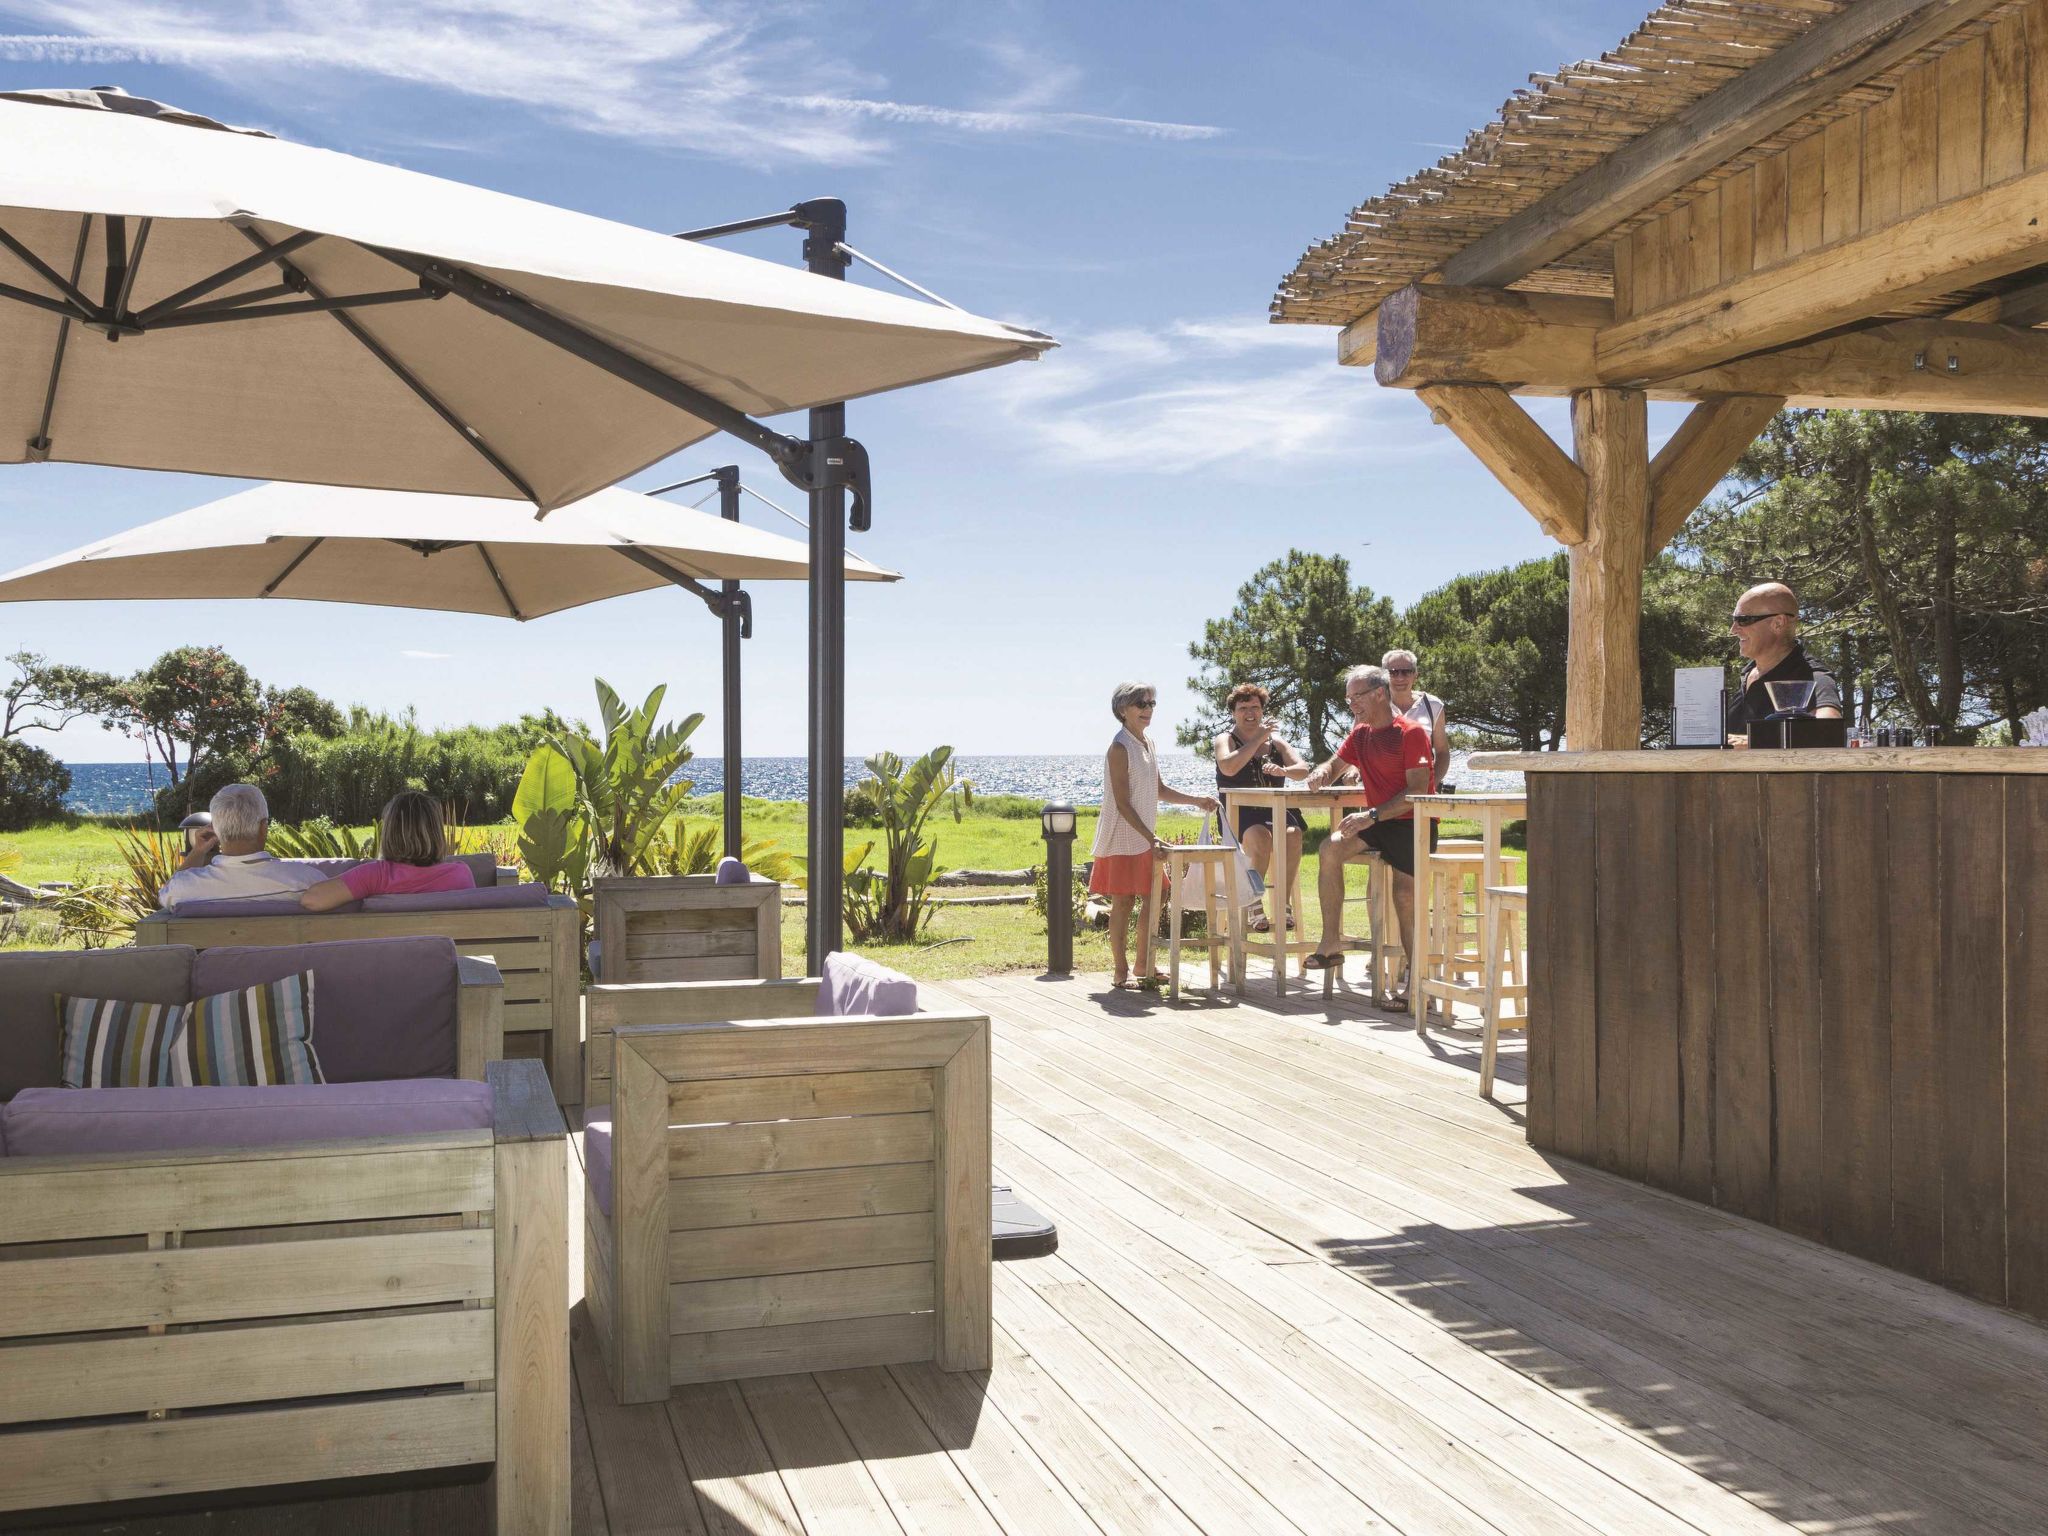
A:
[1766, 630]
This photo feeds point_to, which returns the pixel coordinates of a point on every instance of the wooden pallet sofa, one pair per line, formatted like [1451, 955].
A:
[793, 1176]
[226, 1288]
[533, 937]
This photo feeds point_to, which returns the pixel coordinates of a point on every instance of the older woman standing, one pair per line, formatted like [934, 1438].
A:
[1127, 849]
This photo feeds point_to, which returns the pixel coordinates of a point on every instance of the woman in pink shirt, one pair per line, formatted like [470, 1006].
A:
[412, 843]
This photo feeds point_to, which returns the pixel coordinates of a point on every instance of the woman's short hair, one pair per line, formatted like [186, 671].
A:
[1125, 696]
[410, 830]
[239, 811]
[1245, 691]
[1393, 656]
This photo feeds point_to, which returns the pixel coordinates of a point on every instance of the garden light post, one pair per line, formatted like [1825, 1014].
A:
[1057, 824]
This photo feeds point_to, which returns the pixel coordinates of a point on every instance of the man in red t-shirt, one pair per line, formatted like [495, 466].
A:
[1394, 759]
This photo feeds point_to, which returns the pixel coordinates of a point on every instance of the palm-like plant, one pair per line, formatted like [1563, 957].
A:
[890, 905]
[628, 788]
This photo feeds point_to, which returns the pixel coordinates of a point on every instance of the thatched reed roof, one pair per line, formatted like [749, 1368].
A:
[1556, 129]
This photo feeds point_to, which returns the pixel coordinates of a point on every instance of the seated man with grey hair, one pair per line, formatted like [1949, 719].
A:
[1394, 760]
[227, 861]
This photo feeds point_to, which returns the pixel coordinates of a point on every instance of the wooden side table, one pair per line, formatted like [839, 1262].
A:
[1493, 813]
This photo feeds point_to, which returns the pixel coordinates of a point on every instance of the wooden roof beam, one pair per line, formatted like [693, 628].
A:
[1520, 454]
[1831, 57]
[1957, 244]
[1432, 334]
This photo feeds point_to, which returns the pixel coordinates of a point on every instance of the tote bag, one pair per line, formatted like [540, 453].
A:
[1233, 884]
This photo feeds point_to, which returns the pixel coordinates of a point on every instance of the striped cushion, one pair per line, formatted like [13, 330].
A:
[107, 1043]
[259, 1035]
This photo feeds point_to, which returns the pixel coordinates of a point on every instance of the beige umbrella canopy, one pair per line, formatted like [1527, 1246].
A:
[178, 295]
[398, 549]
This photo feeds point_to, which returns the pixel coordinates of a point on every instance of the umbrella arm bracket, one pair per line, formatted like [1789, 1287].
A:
[836, 463]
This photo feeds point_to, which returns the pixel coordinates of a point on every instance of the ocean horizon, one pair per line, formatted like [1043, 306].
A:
[124, 789]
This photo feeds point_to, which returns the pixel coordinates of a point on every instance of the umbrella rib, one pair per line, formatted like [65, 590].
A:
[130, 268]
[227, 274]
[405, 377]
[647, 559]
[504, 591]
[79, 303]
[39, 445]
[296, 561]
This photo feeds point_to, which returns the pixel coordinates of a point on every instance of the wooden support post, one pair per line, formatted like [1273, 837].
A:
[1603, 670]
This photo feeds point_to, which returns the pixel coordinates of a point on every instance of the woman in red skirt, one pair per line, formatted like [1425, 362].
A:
[1128, 852]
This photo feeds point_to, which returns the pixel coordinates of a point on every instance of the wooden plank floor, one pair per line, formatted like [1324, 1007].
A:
[1309, 1281]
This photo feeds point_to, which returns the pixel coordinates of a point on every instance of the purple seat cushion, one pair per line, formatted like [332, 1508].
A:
[597, 1162]
[855, 986]
[490, 897]
[63, 1122]
[30, 981]
[382, 1008]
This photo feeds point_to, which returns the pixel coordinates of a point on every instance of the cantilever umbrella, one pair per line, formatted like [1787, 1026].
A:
[454, 554]
[178, 295]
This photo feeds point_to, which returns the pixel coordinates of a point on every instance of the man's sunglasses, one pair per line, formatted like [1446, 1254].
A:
[1400, 671]
[1744, 620]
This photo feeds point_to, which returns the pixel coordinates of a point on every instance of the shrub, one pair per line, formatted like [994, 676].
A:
[33, 785]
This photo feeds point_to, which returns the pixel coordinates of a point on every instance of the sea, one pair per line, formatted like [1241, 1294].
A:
[118, 789]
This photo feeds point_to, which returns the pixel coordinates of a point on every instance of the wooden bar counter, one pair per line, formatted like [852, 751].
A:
[1808, 987]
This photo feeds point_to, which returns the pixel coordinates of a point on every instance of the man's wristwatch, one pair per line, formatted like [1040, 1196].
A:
[1374, 812]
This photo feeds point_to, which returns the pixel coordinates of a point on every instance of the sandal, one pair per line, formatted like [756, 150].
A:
[1123, 984]
[1262, 924]
[1322, 962]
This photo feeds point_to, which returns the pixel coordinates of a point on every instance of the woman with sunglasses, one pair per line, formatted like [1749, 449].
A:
[1128, 851]
[1766, 631]
[1425, 709]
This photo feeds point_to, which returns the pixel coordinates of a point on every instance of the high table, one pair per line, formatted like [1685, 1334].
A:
[1808, 987]
[1493, 813]
[1280, 799]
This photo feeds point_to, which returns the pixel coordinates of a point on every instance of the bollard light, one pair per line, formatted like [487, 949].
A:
[1057, 823]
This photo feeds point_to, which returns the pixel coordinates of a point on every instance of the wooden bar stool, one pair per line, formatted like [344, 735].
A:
[1455, 971]
[1507, 932]
[1223, 925]
[1381, 945]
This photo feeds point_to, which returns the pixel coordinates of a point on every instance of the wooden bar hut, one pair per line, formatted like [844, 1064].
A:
[1807, 987]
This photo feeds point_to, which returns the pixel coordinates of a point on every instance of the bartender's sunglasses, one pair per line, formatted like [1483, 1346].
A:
[1744, 620]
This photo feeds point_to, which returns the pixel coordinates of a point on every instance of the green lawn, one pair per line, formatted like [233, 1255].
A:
[961, 941]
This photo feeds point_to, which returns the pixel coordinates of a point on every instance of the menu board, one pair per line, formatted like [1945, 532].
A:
[1697, 710]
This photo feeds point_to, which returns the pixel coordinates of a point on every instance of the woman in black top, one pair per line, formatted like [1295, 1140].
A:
[1250, 756]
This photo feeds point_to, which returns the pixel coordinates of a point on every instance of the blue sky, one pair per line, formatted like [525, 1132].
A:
[1132, 178]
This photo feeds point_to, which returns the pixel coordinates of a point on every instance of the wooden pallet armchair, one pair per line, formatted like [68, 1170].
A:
[183, 1322]
[776, 1191]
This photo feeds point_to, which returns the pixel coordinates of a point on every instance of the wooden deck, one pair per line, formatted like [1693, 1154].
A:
[1309, 1281]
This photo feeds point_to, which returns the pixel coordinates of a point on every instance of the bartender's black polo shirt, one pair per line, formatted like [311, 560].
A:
[1752, 703]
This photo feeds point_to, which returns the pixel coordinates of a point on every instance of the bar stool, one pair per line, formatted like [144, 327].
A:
[1209, 863]
[1456, 965]
[1380, 946]
[1507, 934]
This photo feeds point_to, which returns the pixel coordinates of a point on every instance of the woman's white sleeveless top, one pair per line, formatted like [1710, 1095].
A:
[1113, 834]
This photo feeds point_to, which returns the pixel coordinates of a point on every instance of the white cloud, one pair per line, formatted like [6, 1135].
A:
[1232, 396]
[428, 655]
[713, 76]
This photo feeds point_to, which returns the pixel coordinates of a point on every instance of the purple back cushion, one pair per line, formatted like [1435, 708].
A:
[30, 980]
[60, 1122]
[597, 1162]
[382, 1008]
[489, 898]
[855, 986]
[250, 906]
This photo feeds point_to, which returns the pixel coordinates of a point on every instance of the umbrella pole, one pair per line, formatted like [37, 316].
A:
[729, 622]
[824, 224]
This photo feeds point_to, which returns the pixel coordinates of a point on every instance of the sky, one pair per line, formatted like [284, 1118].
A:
[1131, 178]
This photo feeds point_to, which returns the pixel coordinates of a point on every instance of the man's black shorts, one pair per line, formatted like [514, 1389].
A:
[1394, 841]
